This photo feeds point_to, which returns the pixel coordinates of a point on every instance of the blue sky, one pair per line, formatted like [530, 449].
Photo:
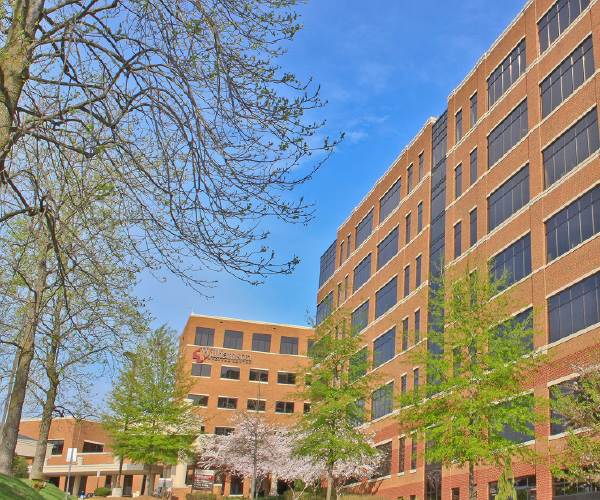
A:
[385, 66]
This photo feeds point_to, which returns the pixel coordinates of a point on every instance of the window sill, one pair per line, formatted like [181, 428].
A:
[380, 478]
[412, 471]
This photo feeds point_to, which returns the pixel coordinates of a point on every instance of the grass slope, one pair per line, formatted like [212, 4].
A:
[20, 489]
[50, 492]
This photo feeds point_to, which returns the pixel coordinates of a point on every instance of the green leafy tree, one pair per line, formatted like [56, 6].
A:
[578, 405]
[337, 382]
[147, 419]
[480, 366]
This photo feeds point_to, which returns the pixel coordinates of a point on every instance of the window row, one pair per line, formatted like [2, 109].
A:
[228, 403]
[232, 339]
[233, 373]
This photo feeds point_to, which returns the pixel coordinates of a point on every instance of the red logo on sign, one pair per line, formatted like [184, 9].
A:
[199, 357]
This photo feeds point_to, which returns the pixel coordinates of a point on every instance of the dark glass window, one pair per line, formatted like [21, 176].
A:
[510, 131]
[200, 370]
[289, 345]
[385, 348]
[223, 431]
[362, 272]
[567, 77]
[284, 407]
[233, 340]
[324, 308]
[458, 181]
[525, 487]
[455, 493]
[406, 281]
[256, 405]
[342, 255]
[205, 336]
[387, 249]
[306, 407]
[402, 455]
[408, 223]
[416, 379]
[349, 249]
[519, 436]
[364, 228]
[360, 317]
[459, 126]
[457, 240]
[515, 261]
[420, 167]
[433, 484]
[286, 378]
[413, 454]
[574, 224]
[561, 424]
[417, 325]
[574, 309]
[473, 160]
[259, 375]
[327, 266]
[198, 400]
[420, 217]
[571, 148]
[358, 364]
[507, 73]
[562, 487]
[261, 342]
[405, 334]
[390, 200]
[509, 198]
[410, 178]
[384, 468]
[227, 403]
[57, 446]
[473, 226]
[383, 400]
[386, 297]
[230, 373]
[525, 319]
[403, 387]
[418, 272]
[558, 18]
[473, 109]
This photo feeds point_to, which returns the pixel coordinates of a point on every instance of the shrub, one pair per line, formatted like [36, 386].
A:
[200, 496]
[102, 492]
[20, 467]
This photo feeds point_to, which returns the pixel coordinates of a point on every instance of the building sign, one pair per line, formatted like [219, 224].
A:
[204, 480]
[211, 353]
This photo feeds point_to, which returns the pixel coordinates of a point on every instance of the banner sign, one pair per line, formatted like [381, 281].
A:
[211, 353]
[204, 480]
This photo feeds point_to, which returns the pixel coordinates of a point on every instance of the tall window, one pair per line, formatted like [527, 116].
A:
[417, 326]
[420, 217]
[473, 165]
[507, 72]
[410, 178]
[349, 246]
[457, 240]
[360, 317]
[339, 295]
[342, 255]
[508, 198]
[416, 379]
[418, 272]
[327, 264]
[401, 455]
[385, 464]
[390, 200]
[574, 224]
[362, 272]
[571, 148]
[459, 126]
[261, 342]
[420, 167]
[558, 18]
[567, 388]
[473, 109]
[568, 77]
[515, 261]
[289, 345]
[403, 384]
[364, 228]
[386, 297]
[233, 340]
[574, 309]
[346, 287]
[383, 400]
[510, 131]
[405, 334]
[324, 308]
[408, 218]
[473, 226]
[205, 336]
[406, 281]
[413, 455]
[458, 181]
[384, 348]
[387, 248]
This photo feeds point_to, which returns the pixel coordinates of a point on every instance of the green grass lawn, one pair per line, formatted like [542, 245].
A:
[20, 489]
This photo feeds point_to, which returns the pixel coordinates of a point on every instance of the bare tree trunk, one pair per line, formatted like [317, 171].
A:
[472, 492]
[148, 474]
[10, 431]
[329, 482]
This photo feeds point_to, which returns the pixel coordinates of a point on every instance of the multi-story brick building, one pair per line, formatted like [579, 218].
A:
[509, 174]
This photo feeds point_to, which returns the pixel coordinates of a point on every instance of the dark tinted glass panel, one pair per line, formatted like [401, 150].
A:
[227, 403]
[256, 405]
[223, 431]
[571, 148]
[198, 400]
[419, 217]
[386, 298]
[510, 131]
[473, 109]
[362, 272]
[327, 266]
[409, 174]
[284, 407]
[514, 262]
[92, 447]
[390, 200]
[420, 167]
[57, 446]
[402, 455]
[383, 401]
[509, 198]
[560, 423]
[418, 272]
[473, 160]
[459, 126]
[457, 239]
[289, 345]
[473, 226]
[261, 342]
[558, 18]
[286, 378]
[406, 280]
[230, 373]
[259, 375]
[458, 181]
[384, 468]
[200, 370]
[324, 308]
[233, 339]
[567, 77]
[507, 72]
[408, 224]
[360, 317]
[364, 228]
[205, 336]
[562, 487]
[387, 248]
[384, 348]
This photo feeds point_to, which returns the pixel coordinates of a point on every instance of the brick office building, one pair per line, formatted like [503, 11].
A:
[509, 173]
[240, 365]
